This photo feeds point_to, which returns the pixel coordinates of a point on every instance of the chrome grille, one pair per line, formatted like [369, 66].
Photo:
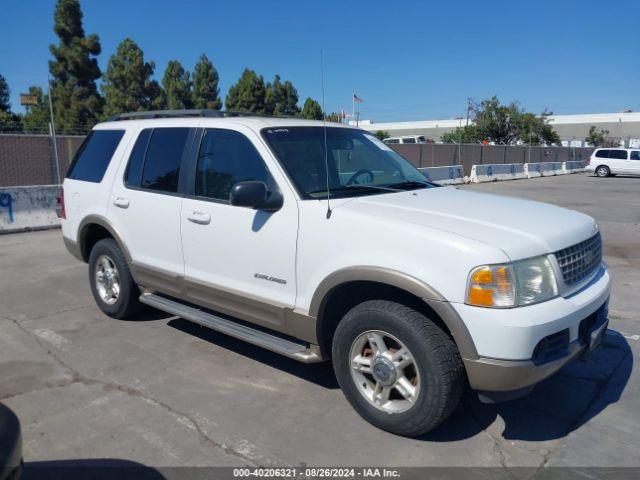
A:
[580, 260]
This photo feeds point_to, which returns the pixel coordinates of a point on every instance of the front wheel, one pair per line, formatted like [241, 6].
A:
[396, 367]
[603, 171]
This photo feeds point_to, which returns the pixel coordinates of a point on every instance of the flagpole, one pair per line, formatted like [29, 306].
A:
[353, 106]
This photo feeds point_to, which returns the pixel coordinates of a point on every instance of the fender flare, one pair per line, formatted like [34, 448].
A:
[395, 278]
[103, 222]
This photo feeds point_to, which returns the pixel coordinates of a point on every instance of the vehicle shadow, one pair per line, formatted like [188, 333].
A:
[318, 373]
[556, 407]
[95, 469]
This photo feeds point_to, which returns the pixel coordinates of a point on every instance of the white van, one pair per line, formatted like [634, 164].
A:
[605, 162]
[406, 139]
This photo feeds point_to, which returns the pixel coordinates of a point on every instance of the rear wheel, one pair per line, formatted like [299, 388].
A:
[603, 171]
[396, 367]
[112, 285]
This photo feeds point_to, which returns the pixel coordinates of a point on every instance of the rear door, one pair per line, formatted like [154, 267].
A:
[618, 161]
[145, 205]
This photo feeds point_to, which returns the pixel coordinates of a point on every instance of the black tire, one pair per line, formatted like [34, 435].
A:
[440, 369]
[603, 171]
[127, 303]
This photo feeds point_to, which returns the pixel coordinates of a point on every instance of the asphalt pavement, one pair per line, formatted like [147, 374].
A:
[161, 391]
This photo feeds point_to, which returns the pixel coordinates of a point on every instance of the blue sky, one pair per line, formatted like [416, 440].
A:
[407, 59]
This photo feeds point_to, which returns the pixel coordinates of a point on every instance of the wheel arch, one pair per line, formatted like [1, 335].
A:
[94, 228]
[360, 283]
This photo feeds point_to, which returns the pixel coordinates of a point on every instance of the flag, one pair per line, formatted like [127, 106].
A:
[357, 99]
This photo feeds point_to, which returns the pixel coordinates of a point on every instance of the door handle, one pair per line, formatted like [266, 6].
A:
[121, 202]
[201, 218]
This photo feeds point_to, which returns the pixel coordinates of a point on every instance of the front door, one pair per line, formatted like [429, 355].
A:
[238, 261]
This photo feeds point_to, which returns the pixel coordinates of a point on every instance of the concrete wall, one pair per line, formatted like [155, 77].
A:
[29, 208]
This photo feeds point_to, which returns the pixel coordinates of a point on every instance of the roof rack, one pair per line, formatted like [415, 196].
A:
[200, 112]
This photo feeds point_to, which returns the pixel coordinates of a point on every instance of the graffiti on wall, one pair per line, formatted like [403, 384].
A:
[6, 204]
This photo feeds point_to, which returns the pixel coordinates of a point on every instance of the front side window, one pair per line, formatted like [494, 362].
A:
[635, 155]
[164, 155]
[358, 163]
[92, 159]
[618, 154]
[227, 157]
[409, 140]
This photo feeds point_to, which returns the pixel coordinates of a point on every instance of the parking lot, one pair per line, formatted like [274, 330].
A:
[164, 392]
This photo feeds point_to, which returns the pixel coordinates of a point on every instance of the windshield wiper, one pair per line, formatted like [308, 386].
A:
[387, 188]
[355, 187]
[411, 183]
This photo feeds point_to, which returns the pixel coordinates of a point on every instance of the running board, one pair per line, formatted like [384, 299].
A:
[298, 351]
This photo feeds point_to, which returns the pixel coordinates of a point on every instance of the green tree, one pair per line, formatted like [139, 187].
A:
[596, 138]
[5, 93]
[281, 98]
[36, 118]
[504, 124]
[128, 86]
[311, 110]
[206, 93]
[9, 121]
[467, 134]
[77, 103]
[177, 86]
[248, 94]
[382, 134]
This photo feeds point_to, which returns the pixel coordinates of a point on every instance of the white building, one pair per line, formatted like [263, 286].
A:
[573, 129]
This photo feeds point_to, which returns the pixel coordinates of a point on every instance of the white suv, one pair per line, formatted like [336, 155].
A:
[612, 161]
[320, 242]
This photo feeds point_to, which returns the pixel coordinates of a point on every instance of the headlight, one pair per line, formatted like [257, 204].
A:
[512, 284]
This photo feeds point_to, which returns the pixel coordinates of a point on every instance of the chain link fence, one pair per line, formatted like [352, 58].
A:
[27, 158]
[467, 155]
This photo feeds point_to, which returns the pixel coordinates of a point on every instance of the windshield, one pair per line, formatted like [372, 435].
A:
[358, 162]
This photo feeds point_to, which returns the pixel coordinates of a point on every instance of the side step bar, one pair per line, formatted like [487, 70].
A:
[298, 351]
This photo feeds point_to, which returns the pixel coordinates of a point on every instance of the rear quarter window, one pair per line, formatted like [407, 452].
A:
[602, 153]
[618, 154]
[93, 157]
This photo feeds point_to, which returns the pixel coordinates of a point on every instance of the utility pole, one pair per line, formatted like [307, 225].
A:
[468, 109]
[52, 132]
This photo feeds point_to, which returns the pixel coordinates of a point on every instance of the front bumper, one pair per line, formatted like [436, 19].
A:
[509, 341]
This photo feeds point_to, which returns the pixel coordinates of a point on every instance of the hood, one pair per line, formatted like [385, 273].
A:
[520, 228]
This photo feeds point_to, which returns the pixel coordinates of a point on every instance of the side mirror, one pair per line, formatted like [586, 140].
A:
[256, 195]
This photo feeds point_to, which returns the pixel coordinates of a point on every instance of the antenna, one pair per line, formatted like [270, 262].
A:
[324, 127]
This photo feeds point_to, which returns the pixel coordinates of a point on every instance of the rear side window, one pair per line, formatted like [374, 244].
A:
[635, 155]
[409, 140]
[133, 174]
[603, 153]
[618, 154]
[92, 159]
[162, 162]
[392, 140]
[227, 157]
